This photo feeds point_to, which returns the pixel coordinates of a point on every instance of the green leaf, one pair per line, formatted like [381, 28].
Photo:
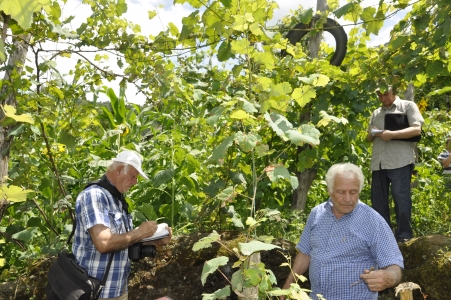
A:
[206, 241]
[22, 10]
[14, 193]
[303, 95]
[65, 32]
[67, 139]
[294, 182]
[241, 46]
[255, 246]
[237, 281]
[121, 8]
[440, 91]
[118, 105]
[224, 51]
[163, 176]
[18, 130]
[26, 235]
[226, 3]
[306, 15]
[10, 112]
[275, 173]
[152, 14]
[236, 70]
[219, 294]
[253, 276]
[251, 222]
[2, 51]
[211, 266]
[398, 41]
[309, 134]
[226, 194]
[237, 221]
[343, 10]
[326, 119]
[319, 80]
[239, 114]
[248, 106]
[279, 124]
[148, 211]
[221, 151]
[333, 4]
[173, 30]
[247, 142]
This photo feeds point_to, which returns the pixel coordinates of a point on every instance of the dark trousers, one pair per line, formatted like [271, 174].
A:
[399, 181]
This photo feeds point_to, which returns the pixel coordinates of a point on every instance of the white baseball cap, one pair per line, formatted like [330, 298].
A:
[131, 158]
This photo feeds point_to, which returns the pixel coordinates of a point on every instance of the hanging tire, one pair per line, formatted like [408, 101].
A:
[331, 26]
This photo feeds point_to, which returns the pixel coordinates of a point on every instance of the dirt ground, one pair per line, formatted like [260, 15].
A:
[176, 270]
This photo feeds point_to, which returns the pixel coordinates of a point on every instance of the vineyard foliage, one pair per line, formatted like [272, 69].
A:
[221, 125]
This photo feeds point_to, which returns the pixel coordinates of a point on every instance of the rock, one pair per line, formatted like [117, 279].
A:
[176, 270]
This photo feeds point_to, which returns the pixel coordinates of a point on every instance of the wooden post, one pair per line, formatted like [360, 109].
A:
[251, 293]
[405, 290]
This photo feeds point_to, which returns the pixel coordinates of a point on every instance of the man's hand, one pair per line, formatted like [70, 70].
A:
[382, 279]
[162, 241]
[147, 228]
[386, 135]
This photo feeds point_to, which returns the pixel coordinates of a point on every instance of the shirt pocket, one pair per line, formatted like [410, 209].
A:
[116, 222]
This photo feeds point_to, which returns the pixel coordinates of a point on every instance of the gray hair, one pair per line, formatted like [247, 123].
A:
[116, 164]
[346, 170]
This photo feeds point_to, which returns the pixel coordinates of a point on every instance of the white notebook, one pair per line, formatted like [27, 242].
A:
[161, 232]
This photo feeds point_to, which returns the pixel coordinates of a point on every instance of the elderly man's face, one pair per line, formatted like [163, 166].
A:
[127, 177]
[345, 194]
[386, 98]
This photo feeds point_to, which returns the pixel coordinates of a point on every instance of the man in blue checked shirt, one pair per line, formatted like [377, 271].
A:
[348, 248]
[104, 226]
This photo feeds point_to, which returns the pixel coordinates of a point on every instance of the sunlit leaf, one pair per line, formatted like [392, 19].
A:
[14, 193]
[10, 112]
[206, 241]
[255, 246]
[219, 294]
[304, 95]
[22, 10]
[239, 114]
[211, 266]
[2, 51]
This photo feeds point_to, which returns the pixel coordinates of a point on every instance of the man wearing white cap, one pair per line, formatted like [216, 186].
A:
[104, 226]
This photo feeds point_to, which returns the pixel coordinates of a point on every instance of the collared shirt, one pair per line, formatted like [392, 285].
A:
[95, 205]
[341, 249]
[394, 154]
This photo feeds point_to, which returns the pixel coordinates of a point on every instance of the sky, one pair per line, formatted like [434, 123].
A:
[168, 12]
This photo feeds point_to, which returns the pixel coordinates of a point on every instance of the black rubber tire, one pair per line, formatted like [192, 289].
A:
[331, 26]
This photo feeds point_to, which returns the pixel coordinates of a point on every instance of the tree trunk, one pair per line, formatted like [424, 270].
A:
[305, 178]
[16, 62]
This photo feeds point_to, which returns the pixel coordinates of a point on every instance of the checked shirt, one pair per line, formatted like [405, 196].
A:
[95, 205]
[340, 250]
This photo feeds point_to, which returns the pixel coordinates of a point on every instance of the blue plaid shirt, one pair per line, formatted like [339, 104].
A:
[95, 205]
[340, 249]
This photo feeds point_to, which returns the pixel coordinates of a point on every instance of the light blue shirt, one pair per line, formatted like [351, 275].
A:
[95, 205]
[340, 250]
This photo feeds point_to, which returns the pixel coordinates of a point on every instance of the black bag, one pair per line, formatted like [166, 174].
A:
[394, 122]
[68, 281]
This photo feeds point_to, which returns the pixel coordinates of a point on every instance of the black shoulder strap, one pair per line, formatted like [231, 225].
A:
[105, 183]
